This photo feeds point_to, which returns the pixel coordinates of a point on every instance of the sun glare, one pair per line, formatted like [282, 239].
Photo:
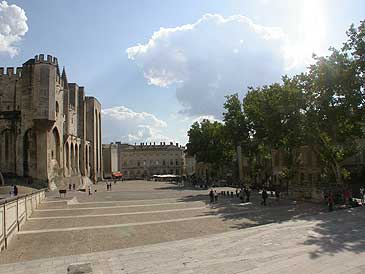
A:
[310, 36]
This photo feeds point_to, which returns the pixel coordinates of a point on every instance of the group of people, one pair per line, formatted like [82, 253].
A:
[14, 190]
[108, 186]
[73, 186]
[213, 196]
[244, 192]
[346, 198]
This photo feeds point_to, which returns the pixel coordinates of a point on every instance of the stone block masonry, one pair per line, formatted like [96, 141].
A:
[49, 129]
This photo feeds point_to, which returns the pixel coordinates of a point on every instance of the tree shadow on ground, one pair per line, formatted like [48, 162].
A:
[172, 186]
[338, 231]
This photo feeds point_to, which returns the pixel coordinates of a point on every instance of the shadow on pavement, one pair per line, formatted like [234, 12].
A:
[338, 231]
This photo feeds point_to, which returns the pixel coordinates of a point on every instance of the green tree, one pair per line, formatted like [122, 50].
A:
[275, 116]
[208, 143]
[235, 124]
[334, 113]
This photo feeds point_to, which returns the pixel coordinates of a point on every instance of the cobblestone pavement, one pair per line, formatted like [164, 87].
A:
[152, 227]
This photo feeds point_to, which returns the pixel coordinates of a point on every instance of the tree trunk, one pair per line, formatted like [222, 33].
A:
[336, 168]
[2, 182]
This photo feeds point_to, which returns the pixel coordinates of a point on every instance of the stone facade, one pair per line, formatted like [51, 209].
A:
[110, 159]
[190, 162]
[49, 130]
[144, 160]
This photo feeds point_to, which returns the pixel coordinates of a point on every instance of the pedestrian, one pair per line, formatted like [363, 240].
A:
[248, 193]
[74, 186]
[69, 187]
[89, 190]
[12, 191]
[346, 196]
[242, 194]
[110, 186]
[277, 195]
[215, 196]
[237, 192]
[211, 196]
[15, 190]
[362, 194]
[264, 196]
[330, 201]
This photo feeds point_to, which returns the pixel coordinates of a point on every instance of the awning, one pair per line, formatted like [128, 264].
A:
[117, 174]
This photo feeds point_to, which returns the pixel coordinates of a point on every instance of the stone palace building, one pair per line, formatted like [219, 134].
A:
[144, 160]
[49, 130]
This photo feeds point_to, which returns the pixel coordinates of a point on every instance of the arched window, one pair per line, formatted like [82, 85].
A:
[55, 145]
[57, 108]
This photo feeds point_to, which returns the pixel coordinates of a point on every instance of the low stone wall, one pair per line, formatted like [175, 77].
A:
[14, 212]
[21, 189]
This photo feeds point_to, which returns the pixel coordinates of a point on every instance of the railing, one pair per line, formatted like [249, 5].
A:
[14, 212]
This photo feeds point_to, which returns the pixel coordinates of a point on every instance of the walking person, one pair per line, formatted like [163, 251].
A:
[346, 196]
[248, 193]
[362, 195]
[330, 201]
[264, 196]
[277, 195]
[15, 190]
[89, 190]
[242, 195]
[211, 196]
[69, 187]
[215, 196]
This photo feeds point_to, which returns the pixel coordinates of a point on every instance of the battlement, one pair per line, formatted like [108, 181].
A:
[41, 59]
[11, 72]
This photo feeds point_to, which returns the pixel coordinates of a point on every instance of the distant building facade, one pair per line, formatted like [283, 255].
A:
[110, 159]
[148, 159]
[190, 163]
[49, 129]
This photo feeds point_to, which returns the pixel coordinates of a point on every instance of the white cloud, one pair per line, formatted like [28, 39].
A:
[206, 117]
[13, 26]
[123, 124]
[211, 58]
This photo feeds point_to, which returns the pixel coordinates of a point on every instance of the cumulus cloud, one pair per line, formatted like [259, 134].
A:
[123, 124]
[13, 26]
[211, 58]
[206, 117]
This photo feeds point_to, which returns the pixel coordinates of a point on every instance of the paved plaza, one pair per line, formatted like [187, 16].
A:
[156, 227]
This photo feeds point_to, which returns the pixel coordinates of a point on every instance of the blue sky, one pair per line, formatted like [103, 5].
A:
[206, 49]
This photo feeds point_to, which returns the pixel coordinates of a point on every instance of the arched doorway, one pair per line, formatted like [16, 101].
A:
[77, 159]
[6, 150]
[29, 152]
[67, 155]
[72, 158]
[55, 146]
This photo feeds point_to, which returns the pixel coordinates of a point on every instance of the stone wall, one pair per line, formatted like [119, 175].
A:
[43, 128]
[14, 212]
